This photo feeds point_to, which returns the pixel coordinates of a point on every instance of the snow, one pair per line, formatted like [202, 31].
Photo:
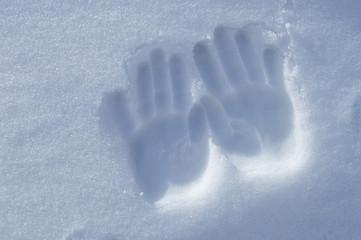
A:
[63, 175]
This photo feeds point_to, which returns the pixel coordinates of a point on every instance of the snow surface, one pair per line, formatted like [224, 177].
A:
[63, 175]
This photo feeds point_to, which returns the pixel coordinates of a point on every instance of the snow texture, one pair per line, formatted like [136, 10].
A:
[183, 119]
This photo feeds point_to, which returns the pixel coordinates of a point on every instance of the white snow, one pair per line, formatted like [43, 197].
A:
[63, 176]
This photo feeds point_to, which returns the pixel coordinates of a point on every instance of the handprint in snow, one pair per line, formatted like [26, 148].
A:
[247, 105]
[166, 136]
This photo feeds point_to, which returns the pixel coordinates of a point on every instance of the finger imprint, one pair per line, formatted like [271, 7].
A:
[273, 62]
[216, 116]
[144, 91]
[250, 56]
[209, 69]
[181, 84]
[197, 126]
[162, 96]
[229, 56]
